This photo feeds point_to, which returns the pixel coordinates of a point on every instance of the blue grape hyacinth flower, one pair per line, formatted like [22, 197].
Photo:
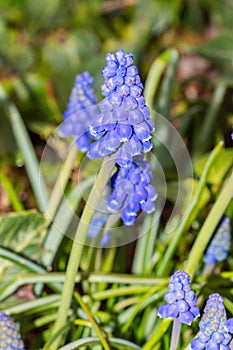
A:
[81, 109]
[213, 334]
[9, 336]
[132, 191]
[220, 243]
[181, 300]
[123, 124]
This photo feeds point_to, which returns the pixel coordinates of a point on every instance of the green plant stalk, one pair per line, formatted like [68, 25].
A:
[77, 248]
[145, 245]
[157, 335]
[157, 293]
[11, 193]
[33, 304]
[209, 226]
[210, 117]
[175, 334]
[19, 260]
[59, 277]
[121, 291]
[190, 210]
[154, 76]
[26, 147]
[116, 342]
[93, 322]
[125, 303]
[15, 283]
[164, 101]
[59, 227]
[59, 187]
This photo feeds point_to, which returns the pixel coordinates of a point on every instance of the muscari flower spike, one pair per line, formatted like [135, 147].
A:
[132, 191]
[123, 124]
[80, 110]
[220, 244]
[9, 336]
[181, 300]
[120, 124]
[213, 334]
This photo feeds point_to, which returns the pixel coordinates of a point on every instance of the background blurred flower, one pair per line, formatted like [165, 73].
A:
[9, 336]
[98, 221]
[219, 245]
[213, 333]
[80, 111]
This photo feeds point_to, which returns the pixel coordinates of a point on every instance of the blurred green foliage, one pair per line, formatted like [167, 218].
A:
[43, 45]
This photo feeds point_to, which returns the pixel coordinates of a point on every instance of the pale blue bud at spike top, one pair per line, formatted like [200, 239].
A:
[220, 244]
[213, 333]
[10, 338]
[181, 300]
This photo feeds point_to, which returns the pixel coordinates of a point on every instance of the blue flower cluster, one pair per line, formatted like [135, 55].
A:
[220, 244]
[120, 124]
[81, 109]
[213, 334]
[124, 125]
[181, 300]
[9, 336]
[132, 191]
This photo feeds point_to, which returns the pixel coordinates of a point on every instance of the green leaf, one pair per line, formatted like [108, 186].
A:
[186, 189]
[219, 169]
[23, 232]
[219, 51]
[221, 11]
[118, 343]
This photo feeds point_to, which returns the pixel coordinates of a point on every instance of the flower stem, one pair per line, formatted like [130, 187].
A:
[154, 76]
[77, 248]
[93, 322]
[63, 177]
[175, 334]
[188, 217]
[209, 226]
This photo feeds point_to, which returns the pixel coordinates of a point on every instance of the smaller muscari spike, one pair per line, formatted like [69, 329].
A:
[80, 110]
[181, 300]
[10, 338]
[213, 334]
[219, 245]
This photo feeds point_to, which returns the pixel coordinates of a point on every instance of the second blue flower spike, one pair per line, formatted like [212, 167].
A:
[181, 300]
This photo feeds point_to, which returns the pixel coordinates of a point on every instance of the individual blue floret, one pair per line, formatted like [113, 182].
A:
[81, 109]
[124, 124]
[181, 300]
[132, 191]
[219, 245]
[9, 336]
[213, 334]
